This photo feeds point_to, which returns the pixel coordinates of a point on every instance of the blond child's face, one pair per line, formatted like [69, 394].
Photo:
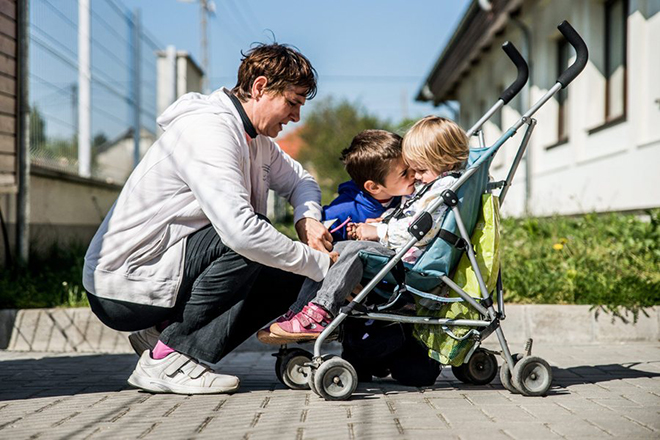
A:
[423, 174]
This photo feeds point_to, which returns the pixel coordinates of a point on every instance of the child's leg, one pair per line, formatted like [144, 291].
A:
[340, 281]
[306, 294]
[346, 273]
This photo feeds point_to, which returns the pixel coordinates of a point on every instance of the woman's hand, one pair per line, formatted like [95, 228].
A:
[314, 234]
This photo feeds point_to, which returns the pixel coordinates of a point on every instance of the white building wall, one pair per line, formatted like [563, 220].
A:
[616, 168]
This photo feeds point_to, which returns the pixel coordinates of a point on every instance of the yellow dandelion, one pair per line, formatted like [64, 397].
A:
[563, 240]
[558, 246]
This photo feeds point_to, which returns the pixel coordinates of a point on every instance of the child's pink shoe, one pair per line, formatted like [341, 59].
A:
[305, 325]
[264, 335]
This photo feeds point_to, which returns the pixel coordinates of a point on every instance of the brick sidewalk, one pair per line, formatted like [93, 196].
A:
[599, 392]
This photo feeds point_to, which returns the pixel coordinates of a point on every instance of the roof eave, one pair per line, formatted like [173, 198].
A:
[474, 34]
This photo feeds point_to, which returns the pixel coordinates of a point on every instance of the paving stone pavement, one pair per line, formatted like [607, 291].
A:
[599, 391]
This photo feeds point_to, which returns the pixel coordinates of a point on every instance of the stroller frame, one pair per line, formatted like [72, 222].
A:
[334, 378]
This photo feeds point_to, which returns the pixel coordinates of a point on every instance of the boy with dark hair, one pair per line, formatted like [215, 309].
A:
[378, 177]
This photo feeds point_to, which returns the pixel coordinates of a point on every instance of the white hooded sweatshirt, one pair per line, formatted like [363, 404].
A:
[201, 170]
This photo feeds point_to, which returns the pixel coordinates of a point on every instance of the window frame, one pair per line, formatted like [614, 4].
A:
[609, 6]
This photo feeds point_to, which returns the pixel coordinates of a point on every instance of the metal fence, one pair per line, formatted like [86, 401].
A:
[115, 36]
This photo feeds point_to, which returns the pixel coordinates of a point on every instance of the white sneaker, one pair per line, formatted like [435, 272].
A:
[144, 339]
[179, 374]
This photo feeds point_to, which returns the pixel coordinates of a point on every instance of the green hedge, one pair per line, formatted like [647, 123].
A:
[604, 260]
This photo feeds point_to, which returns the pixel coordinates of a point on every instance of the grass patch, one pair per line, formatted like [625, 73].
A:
[607, 261]
[53, 279]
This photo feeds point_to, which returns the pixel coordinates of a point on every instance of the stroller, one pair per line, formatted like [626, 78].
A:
[334, 378]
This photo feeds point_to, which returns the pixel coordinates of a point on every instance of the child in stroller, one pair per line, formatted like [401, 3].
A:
[436, 149]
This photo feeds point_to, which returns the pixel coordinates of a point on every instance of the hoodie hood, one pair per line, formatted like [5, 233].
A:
[354, 203]
[197, 104]
[348, 189]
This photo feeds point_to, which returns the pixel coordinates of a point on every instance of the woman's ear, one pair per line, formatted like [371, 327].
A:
[259, 87]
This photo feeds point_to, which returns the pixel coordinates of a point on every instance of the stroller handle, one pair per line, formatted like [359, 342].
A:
[580, 49]
[523, 72]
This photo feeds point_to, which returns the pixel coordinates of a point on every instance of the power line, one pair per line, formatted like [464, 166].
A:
[109, 115]
[151, 40]
[48, 117]
[370, 78]
[43, 45]
[60, 14]
[120, 10]
[64, 91]
[227, 31]
[110, 28]
[250, 13]
[53, 40]
[111, 54]
[244, 23]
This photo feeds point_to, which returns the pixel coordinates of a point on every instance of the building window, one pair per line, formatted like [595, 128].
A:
[563, 55]
[616, 15]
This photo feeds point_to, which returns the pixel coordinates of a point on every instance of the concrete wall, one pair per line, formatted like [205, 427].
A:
[78, 330]
[614, 168]
[64, 209]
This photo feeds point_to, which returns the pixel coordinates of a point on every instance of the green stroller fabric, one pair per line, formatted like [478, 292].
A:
[485, 239]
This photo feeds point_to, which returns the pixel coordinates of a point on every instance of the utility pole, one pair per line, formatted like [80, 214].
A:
[74, 111]
[205, 46]
[136, 76]
[206, 8]
[84, 89]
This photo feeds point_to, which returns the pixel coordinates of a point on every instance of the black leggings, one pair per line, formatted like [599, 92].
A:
[224, 298]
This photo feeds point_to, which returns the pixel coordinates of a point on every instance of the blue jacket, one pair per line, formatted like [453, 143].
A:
[354, 203]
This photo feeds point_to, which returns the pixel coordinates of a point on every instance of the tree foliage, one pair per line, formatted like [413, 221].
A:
[329, 128]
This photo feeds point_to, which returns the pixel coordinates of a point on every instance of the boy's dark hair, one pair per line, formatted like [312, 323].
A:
[282, 65]
[370, 155]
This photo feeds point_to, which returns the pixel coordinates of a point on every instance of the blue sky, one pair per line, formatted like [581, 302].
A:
[373, 52]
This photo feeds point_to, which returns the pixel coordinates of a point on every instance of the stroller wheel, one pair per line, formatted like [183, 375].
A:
[532, 376]
[312, 373]
[505, 374]
[310, 381]
[335, 379]
[278, 363]
[461, 373]
[292, 368]
[481, 369]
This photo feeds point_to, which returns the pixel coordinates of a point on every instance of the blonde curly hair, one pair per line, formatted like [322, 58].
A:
[436, 143]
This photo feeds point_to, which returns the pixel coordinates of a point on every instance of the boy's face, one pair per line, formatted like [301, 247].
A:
[399, 181]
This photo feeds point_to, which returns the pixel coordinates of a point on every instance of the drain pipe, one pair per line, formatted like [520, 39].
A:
[525, 94]
[23, 136]
[525, 97]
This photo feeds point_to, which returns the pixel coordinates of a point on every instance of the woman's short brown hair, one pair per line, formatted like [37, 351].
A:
[282, 65]
[437, 143]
